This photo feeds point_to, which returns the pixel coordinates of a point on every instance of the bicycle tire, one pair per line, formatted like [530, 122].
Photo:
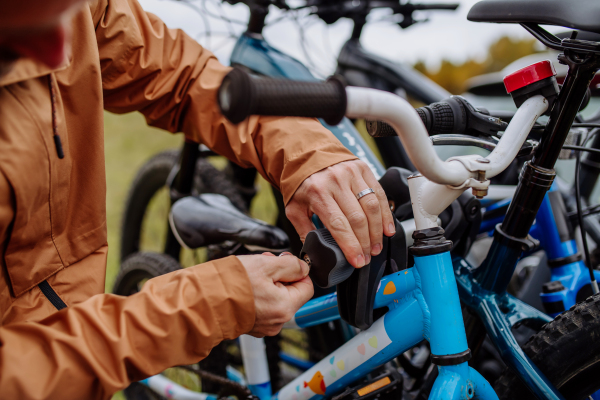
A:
[152, 177]
[566, 350]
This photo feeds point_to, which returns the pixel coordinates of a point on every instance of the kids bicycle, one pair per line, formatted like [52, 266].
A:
[423, 300]
[509, 214]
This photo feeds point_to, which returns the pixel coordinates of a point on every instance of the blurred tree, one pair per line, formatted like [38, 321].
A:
[501, 53]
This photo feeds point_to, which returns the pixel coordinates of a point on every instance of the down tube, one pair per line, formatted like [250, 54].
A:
[397, 331]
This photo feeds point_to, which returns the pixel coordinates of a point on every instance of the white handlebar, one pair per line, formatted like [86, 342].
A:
[378, 105]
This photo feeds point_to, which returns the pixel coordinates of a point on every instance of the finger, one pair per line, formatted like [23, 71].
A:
[300, 292]
[372, 209]
[357, 219]
[334, 219]
[389, 229]
[300, 217]
[288, 269]
[285, 253]
[268, 253]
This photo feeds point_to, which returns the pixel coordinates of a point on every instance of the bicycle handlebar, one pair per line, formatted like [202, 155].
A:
[453, 115]
[240, 96]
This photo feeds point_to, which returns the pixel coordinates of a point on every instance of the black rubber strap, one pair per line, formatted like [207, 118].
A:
[51, 295]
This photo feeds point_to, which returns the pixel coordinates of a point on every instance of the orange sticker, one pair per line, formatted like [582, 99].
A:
[390, 288]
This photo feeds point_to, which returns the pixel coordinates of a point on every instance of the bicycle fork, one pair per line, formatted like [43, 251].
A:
[446, 331]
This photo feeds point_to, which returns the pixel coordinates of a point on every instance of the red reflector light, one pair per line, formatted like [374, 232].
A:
[528, 75]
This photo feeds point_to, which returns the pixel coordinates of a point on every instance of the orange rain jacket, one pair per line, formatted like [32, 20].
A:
[53, 218]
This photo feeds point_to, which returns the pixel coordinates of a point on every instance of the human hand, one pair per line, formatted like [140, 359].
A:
[281, 286]
[356, 225]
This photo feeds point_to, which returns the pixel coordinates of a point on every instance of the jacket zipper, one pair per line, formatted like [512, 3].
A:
[57, 141]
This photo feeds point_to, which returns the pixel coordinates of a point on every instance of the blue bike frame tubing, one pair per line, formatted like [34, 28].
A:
[423, 303]
[490, 307]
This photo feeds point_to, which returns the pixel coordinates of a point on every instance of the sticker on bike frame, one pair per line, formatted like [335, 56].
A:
[341, 362]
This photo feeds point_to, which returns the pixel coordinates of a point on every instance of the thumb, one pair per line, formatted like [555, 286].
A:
[288, 269]
[300, 292]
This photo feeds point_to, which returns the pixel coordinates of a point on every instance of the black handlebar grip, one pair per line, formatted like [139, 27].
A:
[327, 263]
[380, 129]
[438, 118]
[241, 95]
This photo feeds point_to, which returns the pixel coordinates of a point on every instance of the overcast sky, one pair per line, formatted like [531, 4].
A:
[447, 34]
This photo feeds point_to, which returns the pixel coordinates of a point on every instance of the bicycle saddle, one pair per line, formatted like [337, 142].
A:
[199, 221]
[583, 15]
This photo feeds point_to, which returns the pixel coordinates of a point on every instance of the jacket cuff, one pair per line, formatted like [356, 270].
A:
[296, 170]
[235, 312]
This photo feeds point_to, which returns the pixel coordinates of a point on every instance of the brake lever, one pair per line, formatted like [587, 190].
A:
[488, 143]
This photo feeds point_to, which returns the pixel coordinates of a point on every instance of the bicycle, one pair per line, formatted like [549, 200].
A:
[482, 289]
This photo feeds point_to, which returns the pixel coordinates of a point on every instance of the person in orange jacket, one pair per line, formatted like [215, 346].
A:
[61, 63]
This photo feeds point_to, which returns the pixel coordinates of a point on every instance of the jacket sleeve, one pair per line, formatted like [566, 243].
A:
[95, 348]
[173, 81]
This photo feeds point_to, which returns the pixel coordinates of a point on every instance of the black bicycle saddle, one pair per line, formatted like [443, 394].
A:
[199, 221]
[582, 15]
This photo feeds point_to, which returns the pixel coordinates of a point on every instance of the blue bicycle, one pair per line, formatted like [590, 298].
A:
[421, 300]
[272, 62]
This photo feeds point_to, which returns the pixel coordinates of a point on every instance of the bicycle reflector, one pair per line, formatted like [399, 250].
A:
[538, 78]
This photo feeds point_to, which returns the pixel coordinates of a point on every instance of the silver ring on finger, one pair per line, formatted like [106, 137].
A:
[363, 193]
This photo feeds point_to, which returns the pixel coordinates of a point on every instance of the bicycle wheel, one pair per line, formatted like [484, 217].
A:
[567, 351]
[144, 226]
